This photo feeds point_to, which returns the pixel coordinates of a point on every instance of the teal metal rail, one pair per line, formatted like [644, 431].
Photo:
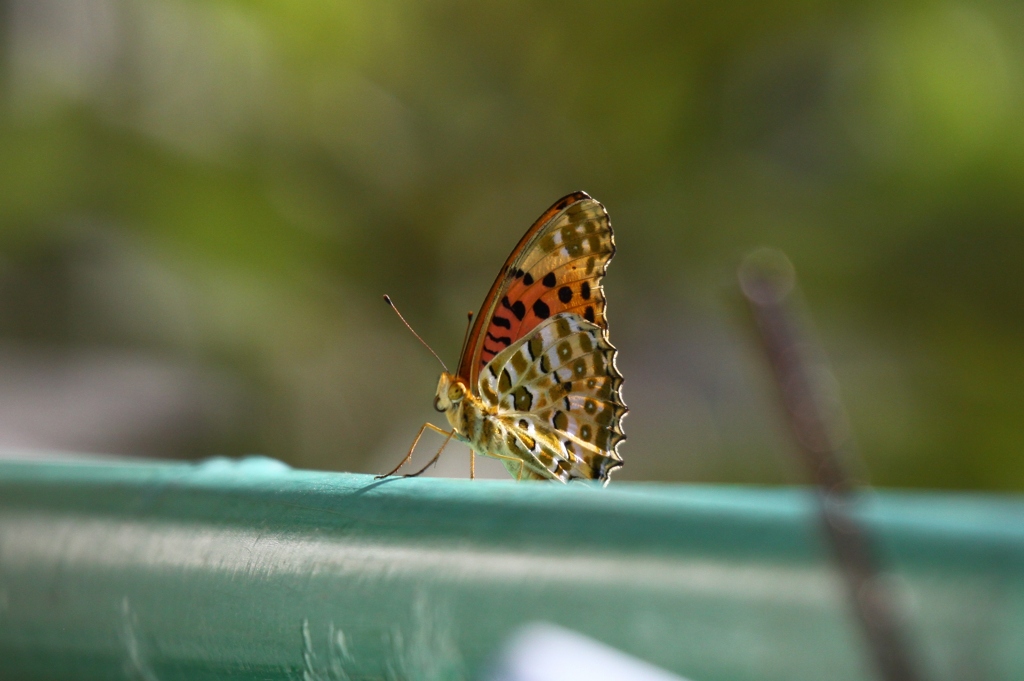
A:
[251, 570]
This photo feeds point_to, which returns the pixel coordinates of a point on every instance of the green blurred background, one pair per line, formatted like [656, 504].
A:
[201, 204]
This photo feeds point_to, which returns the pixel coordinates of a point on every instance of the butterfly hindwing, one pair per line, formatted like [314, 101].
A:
[557, 394]
[557, 267]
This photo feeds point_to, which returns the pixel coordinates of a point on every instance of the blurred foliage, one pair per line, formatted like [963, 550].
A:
[227, 188]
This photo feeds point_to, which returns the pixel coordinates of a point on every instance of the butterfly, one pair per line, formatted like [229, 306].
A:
[537, 386]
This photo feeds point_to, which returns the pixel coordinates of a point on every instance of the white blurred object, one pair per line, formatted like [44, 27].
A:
[545, 652]
[65, 404]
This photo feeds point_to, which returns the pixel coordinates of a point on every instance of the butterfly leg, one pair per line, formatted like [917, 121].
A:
[413, 448]
[472, 464]
[436, 456]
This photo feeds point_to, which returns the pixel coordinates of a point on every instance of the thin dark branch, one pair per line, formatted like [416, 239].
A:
[819, 426]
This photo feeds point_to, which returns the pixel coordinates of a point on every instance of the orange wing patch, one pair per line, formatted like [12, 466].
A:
[557, 267]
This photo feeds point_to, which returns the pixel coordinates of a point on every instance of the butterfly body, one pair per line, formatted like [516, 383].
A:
[537, 387]
[478, 425]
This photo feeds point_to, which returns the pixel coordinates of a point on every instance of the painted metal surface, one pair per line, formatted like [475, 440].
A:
[251, 570]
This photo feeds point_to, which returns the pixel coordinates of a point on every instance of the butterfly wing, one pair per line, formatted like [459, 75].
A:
[557, 394]
[556, 267]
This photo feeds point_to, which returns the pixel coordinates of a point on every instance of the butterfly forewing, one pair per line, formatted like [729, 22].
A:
[557, 392]
[557, 267]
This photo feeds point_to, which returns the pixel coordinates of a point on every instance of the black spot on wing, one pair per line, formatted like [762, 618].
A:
[498, 320]
[541, 309]
[565, 294]
[585, 290]
[549, 280]
[517, 308]
[588, 314]
[504, 340]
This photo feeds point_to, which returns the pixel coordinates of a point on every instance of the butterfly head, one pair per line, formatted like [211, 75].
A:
[451, 390]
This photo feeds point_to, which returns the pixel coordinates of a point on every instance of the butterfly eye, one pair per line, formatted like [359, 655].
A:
[455, 392]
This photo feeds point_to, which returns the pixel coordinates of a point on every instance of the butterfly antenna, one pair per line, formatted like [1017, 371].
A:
[469, 327]
[387, 299]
